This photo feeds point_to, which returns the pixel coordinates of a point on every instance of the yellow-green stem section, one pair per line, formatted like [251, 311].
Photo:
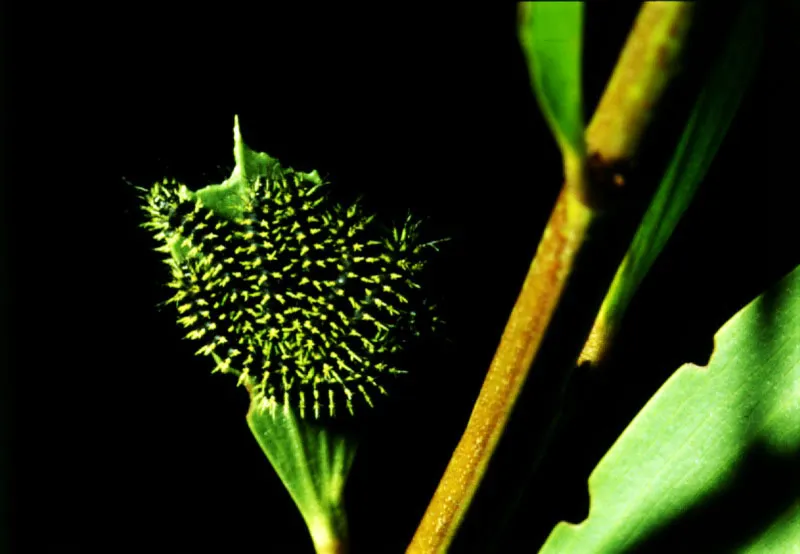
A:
[645, 67]
[523, 334]
[325, 540]
[647, 64]
[651, 51]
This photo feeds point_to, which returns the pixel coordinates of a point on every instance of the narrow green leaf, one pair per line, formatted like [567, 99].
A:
[698, 437]
[708, 123]
[551, 37]
[313, 461]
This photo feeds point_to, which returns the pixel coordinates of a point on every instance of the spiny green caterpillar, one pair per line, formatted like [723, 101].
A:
[299, 296]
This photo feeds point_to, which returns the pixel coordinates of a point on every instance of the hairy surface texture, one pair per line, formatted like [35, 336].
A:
[304, 299]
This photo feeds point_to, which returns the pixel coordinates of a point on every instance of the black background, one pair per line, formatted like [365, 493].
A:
[123, 440]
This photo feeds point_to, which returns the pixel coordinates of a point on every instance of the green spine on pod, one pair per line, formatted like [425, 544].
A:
[308, 301]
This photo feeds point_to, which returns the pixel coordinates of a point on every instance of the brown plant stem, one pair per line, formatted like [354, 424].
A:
[645, 67]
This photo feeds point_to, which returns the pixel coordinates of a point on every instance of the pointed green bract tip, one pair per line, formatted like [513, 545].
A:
[305, 299]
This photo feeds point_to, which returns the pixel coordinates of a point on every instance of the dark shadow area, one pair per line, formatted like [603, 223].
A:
[763, 486]
[7, 501]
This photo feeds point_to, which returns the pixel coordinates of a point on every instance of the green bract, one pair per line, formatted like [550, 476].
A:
[301, 297]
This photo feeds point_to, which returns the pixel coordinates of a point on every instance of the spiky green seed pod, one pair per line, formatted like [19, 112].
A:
[306, 300]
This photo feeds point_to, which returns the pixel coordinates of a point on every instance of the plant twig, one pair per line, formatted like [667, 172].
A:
[645, 67]
[711, 116]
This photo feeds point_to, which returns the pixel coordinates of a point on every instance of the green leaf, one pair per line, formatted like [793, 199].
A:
[701, 435]
[313, 461]
[708, 123]
[551, 37]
